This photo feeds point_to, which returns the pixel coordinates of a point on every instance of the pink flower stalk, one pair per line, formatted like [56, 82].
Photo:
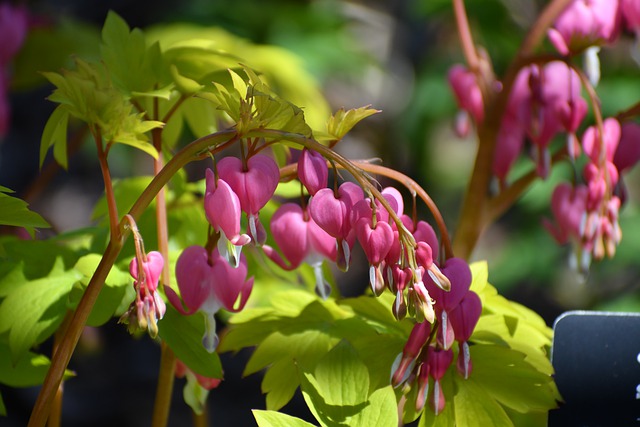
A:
[468, 95]
[333, 214]
[464, 319]
[148, 306]
[208, 283]
[459, 275]
[301, 240]
[222, 208]
[403, 365]
[254, 184]
[585, 23]
[313, 172]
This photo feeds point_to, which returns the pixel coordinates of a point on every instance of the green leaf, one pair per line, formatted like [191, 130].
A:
[277, 419]
[381, 411]
[185, 85]
[3, 409]
[55, 133]
[35, 308]
[509, 379]
[134, 67]
[474, 407]
[15, 212]
[112, 294]
[342, 377]
[183, 334]
[344, 120]
[29, 370]
[339, 387]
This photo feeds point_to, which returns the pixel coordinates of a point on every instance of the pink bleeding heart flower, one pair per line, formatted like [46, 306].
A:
[254, 185]
[208, 283]
[627, 155]
[585, 23]
[301, 240]
[148, 306]
[569, 208]
[439, 361]
[403, 365]
[468, 95]
[464, 319]
[459, 275]
[591, 142]
[401, 277]
[333, 214]
[376, 240]
[222, 208]
[313, 172]
[583, 27]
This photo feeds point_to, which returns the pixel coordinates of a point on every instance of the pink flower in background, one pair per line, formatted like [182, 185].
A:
[468, 95]
[208, 283]
[404, 362]
[543, 102]
[13, 31]
[569, 208]
[585, 23]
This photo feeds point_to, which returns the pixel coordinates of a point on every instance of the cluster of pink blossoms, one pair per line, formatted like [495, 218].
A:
[422, 358]
[13, 31]
[545, 101]
[326, 227]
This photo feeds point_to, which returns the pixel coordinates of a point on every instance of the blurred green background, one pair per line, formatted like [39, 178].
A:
[393, 55]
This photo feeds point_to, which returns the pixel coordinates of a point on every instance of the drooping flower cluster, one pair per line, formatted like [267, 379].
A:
[544, 101]
[428, 352]
[587, 214]
[148, 307]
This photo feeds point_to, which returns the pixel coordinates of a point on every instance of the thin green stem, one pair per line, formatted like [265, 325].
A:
[164, 389]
